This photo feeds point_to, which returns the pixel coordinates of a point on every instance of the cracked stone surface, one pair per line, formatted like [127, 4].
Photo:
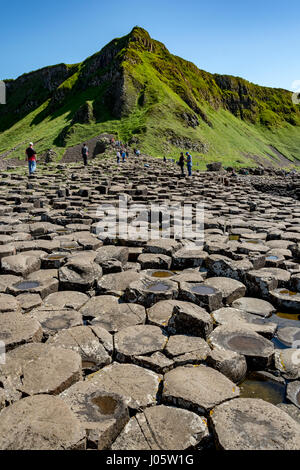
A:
[254, 424]
[16, 329]
[197, 388]
[139, 340]
[121, 379]
[83, 340]
[40, 368]
[41, 422]
[162, 428]
[101, 414]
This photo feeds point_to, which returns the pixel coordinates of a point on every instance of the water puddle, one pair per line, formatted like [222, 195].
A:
[283, 320]
[24, 285]
[88, 364]
[287, 292]
[202, 290]
[254, 242]
[234, 238]
[244, 344]
[158, 287]
[107, 405]
[257, 386]
[272, 258]
[55, 257]
[162, 274]
[287, 319]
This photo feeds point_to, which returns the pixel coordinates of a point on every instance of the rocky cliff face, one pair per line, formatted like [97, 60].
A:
[30, 90]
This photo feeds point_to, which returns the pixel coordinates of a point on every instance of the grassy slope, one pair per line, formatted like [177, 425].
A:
[161, 88]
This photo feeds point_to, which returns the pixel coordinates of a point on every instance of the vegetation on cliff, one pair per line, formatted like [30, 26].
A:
[136, 89]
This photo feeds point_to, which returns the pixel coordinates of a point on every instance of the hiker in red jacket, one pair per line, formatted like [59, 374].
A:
[31, 158]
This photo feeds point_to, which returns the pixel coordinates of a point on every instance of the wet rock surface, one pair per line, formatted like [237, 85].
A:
[102, 414]
[146, 340]
[257, 350]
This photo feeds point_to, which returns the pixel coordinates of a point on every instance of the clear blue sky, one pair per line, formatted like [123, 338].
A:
[254, 39]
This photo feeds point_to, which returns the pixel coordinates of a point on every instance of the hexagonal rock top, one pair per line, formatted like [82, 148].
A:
[53, 320]
[116, 283]
[137, 385]
[67, 299]
[99, 305]
[239, 318]
[84, 340]
[21, 264]
[139, 340]
[8, 303]
[40, 368]
[201, 294]
[42, 422]
[17, 329]
[187, 349]
[198, 388]
[147, 291]
[102, 414]
[121, 316]
[230, 288]
[182, 429]
[255, 306]
[79, 274]
[254, 424]
[258, 350]
[181, 317]
[161, 312]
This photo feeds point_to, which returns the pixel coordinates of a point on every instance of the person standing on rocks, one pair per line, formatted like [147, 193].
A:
[85, 153]
[181, 164]
[118, 156]
[123, 156]
[31, 158]
[189, 163]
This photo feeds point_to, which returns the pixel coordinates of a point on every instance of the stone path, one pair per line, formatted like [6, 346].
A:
[143, 343]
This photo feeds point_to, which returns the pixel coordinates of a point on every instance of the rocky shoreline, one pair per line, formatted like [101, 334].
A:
[129, 344]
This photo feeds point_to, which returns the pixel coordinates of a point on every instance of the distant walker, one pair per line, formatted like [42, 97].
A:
[31, 158]
[84, 154]
[189, 163]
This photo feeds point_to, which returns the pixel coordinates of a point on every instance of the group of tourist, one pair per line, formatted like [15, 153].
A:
[122, 153]
[189, 163]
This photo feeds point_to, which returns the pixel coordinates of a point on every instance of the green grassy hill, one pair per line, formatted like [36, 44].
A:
[137, 90]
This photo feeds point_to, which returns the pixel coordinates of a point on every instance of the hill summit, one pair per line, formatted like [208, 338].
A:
[137, 90]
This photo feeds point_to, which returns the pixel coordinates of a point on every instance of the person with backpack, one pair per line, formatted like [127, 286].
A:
[85, 153]
[31, 158]
[189, 163]
[181, 164]
[123, 156]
